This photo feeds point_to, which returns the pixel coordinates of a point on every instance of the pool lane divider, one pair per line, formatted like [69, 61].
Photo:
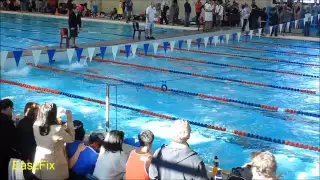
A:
[225, 65]
[204, 76]
[260, 50]
[245, 56]
[203, 96]
[279, 44]
[208, 126]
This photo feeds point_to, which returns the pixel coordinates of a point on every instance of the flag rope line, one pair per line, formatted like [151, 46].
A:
[259, 49]
[203, 96]
[206, 76]
[245, 56]
[278, 44]
[225, 65]
[208, 126]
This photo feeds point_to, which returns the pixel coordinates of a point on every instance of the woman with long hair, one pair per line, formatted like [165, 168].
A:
[50, 160]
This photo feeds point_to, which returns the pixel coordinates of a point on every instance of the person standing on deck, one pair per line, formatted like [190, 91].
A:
[150, 14]
[187, 9]
[198, 11]
[129, 5]
[74, 25]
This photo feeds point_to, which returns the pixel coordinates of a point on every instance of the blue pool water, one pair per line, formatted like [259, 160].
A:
[233, 151]
[25, 32]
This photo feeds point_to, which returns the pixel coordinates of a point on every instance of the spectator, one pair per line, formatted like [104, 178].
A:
[150, 15]
[50, 138]
[14, 5]
[96, 139]
[253, 18]
[297, 10]
[8, 132]
[74, 25]
[111, 163]
[274, 21]
[86, 12]
[129, 5]
[245, 15]
[174, 12]
[187, 10]
[26, 142]
[198, 11]
[177, 160]
[214, 14]
[207, 16]
[264, 18]
[164, 11]
[287, 16]
[219, 13]
[263, 166]
[139, 160]
[82, 158]
[23, 5]
[69, 6]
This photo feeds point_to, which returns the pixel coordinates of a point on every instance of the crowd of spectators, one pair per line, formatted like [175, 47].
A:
[43, 146]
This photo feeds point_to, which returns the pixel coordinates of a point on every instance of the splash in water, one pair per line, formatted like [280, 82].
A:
[17, 72]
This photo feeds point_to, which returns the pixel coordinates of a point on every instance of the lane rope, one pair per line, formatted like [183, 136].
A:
[260, 50]
[279, 44]
[164, 88]
[208, 126]
[225, 65]
[206, 76]
[245, 56]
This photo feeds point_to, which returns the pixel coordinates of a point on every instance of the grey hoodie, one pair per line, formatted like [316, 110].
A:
[169, 163]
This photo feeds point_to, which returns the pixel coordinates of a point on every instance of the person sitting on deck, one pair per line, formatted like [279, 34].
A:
[177, 160]
[139, 159]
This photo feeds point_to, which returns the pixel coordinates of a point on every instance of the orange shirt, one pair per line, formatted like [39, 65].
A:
[198, 6]
[136, 166]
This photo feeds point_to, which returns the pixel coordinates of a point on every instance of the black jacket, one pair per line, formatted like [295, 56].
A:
[187, 7]
[274, 18]
[26, 142]
[74, 20]
[8, 144]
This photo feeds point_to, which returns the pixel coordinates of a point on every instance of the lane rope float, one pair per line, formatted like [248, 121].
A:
[205, 76]
[260, 50]
[208, 126]
[245, 56]
[226, 65]
[164, 88]
[279, 44]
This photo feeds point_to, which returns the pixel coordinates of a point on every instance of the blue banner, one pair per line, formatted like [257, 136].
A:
[17, 56]
[198, 42]
[221, 38]
[165, 46]
[180, 44]
[127, 48]
[234, 36]
[146, 47]
[51, 53]
[79, 53]
[247, 34]
[210, 40]
[103, 51]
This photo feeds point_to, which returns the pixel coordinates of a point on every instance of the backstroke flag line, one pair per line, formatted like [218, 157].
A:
[155, 48]
[189, 43]
[91, 52]
[114, 51]
[205, 40]
[36, 56]
[172, 45]
[70, 53]
[134, 49]
[4, 55]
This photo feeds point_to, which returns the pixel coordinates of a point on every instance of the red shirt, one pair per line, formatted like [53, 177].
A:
[136, 166]
[198, 7]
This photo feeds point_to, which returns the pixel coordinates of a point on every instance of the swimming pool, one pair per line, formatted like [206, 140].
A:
[232, 150]
[25, 32]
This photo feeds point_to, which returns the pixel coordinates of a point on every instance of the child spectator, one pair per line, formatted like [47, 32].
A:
[7, 131]
[50, 137]
[177, 160]
[111, 163]
[140, 159]
[264, 166]
[82, 158]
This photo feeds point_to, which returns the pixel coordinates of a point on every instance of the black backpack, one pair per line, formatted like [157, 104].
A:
[240, 173]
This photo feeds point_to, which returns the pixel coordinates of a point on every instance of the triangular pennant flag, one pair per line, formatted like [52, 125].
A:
[172, 45]
[198, 42]
[215, 40]
[36, 56]
[180, 44]
[280, 28]
[114, 51]
[221, 38]
[288, 26]
[146, 47]
[247, 34]
[127, 49]
[134, 49]
[304, 21]
[205, 40]
[3, 57]
[295, 24]
[165, 46]
[17, 56]
[70, 53]
[259, 31]
[155, 48]
[234, 36]
[239, 36]
[270, 29]
[189, 43]
[91, 52]
[251, 33]
[227, 38]
[103, 50]
[79, 53]
[51, 53]
[210, 40]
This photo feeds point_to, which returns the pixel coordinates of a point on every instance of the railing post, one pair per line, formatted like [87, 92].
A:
[107, 107]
